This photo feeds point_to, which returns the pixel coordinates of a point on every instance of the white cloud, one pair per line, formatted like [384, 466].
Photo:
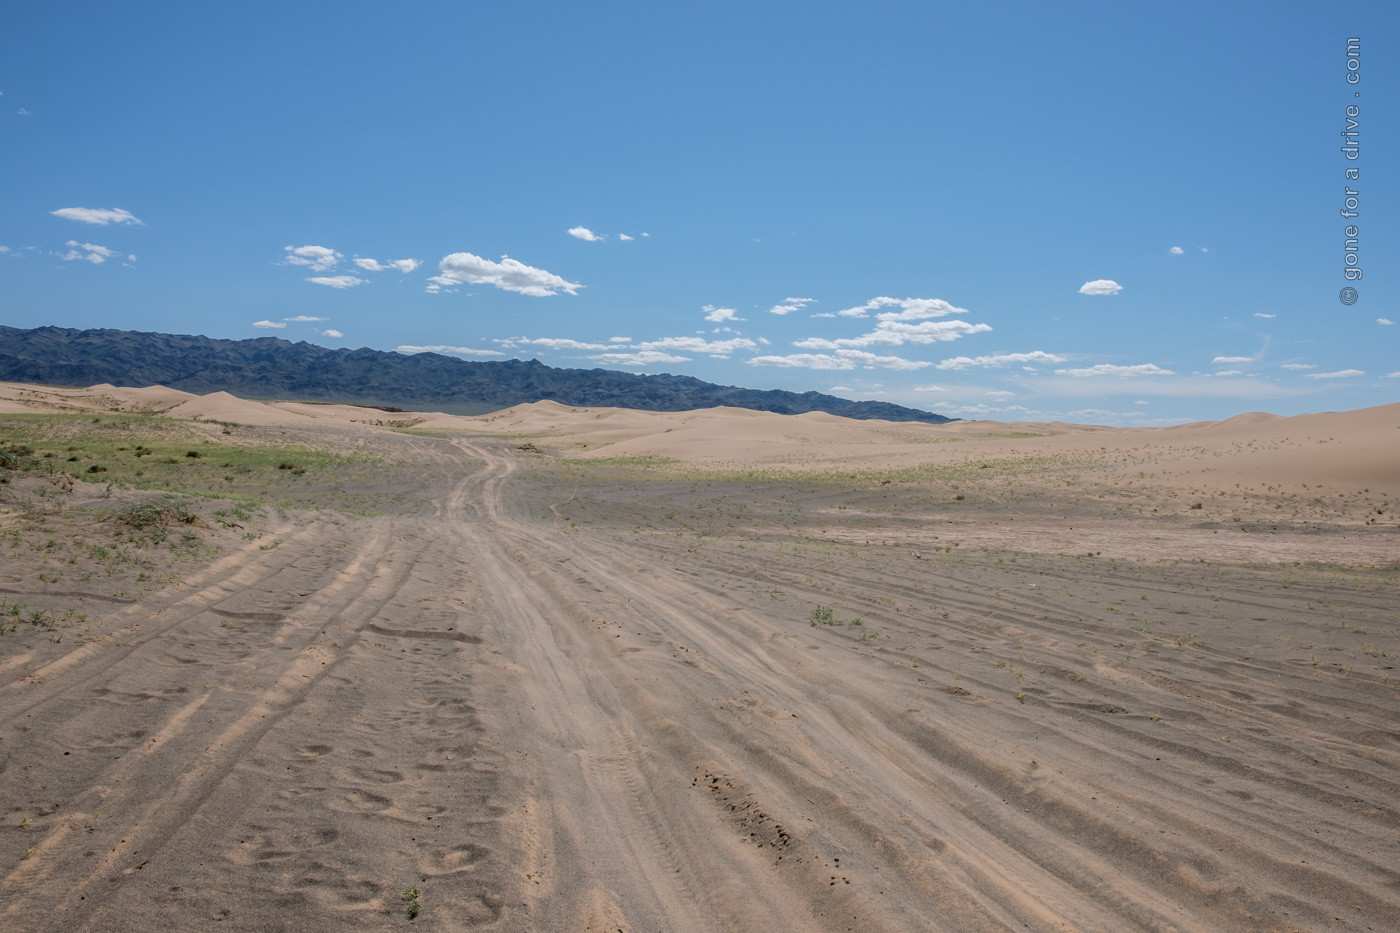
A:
[1176, 251]
[374, 265]
[647, 352]
[639, 358]
[332, 333]
[317, 258]
[269, 325]
[920, 309]
[1385, 322]
[1266, 316]
[337, 281]
[720, 315]
[718, 348]
[911, 309]
[98, 215]
[790, 305]
[1111, 369]
[1000, 359]
[1299, 366]
[559, 343]
[1230, 372]
[894, 333]
[304, 319]
[841, 359]
[1339, 374]
[804, 361]
[1100, 287]
[625, 238]
[1098, 414]
[1180, 387]
[983, 410]
[508, 274]
[859, 310]
[90, 252]
[874, 361]
[583, 233]
[1233, 359]
[1394, 375]
[441, 348]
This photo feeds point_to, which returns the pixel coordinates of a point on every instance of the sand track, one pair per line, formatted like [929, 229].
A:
[631, 643]
[605, 727]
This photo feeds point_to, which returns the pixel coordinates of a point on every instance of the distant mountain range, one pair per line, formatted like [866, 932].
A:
[272, 368]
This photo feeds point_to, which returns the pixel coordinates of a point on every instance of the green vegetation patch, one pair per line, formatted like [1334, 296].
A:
[146, 452]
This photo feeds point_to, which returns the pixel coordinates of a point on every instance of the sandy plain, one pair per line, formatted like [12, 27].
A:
[289, 666]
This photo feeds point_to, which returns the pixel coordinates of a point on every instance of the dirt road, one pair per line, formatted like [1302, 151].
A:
[548, 705]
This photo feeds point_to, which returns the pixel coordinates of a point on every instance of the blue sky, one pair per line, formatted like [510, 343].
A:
[1112, 213]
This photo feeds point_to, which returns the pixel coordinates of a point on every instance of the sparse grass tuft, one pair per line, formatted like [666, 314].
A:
[150, 452]
[411, 895]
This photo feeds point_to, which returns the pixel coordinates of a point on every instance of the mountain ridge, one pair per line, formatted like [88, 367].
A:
[275, 368]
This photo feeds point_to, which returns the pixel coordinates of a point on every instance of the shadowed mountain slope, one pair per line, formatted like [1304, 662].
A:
[269, 367]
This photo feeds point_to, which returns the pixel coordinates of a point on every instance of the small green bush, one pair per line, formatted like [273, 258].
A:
[150, 514]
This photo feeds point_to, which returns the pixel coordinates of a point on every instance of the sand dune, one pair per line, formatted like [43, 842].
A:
[594, 669]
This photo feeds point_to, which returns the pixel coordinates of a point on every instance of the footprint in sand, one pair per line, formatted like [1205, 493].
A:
[362, 801]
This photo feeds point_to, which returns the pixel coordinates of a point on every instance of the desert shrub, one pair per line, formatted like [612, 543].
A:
[151, 514]
[20, 457]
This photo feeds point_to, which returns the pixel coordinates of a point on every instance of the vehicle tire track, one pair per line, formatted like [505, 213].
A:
[180, 758]
[967, 827]
[617, 834]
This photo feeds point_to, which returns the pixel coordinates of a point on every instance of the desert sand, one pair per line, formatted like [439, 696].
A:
[600, 670]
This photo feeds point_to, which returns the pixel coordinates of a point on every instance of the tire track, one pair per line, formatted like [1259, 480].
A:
[127, 630]
[664, 612]
[614, 827]
[963, 822]
[181, 759]
[861, 742]
[552, 727]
